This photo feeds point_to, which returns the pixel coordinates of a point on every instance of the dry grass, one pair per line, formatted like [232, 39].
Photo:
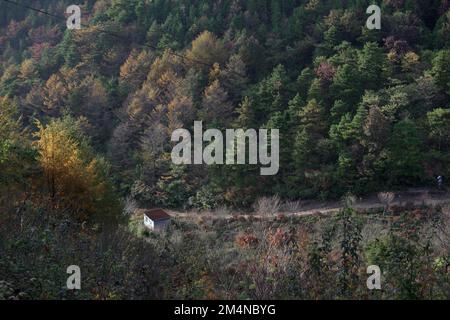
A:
[446, 209]
[386, 198]
[222, 211]
[130, 206]
[267, 205]
[292, 206]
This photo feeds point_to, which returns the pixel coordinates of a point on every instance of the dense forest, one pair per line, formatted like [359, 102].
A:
[358, 110]
[86, 118]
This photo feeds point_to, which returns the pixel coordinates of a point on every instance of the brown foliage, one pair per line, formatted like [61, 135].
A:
[246, 240]
[279, 238]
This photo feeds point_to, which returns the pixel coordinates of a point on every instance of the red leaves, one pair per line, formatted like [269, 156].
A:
[279, 238]
[325, 71]
[37, 49]
[246, 240]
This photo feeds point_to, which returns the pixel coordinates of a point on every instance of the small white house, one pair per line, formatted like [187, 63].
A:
[156, 219]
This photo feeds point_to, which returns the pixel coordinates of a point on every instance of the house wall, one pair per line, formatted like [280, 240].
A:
[148, 222]
[161, 225]
[158, 225]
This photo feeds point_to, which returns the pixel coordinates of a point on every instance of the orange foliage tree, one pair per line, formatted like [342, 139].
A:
[73, 175]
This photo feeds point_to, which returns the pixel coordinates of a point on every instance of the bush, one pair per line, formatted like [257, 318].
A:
[267, 205]
[386, 198]
[246, 240]
[205, 199]
[292, 206]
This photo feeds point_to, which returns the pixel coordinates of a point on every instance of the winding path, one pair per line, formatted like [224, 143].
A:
[416, 196]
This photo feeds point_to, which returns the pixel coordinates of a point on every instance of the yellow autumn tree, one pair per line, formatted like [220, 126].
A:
[55, 92]
[206, 50]
[134, 71]
[180, 113]
[73, 176]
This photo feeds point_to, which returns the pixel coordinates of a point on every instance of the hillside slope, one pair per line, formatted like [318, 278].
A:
[358, 110]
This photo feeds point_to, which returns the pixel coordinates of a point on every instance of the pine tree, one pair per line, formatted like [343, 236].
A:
[216, 106]
[405, 154]
[441, 69]
[371, 63]
[206, 50]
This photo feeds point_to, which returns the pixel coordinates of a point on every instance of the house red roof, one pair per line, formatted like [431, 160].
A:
[157, 214]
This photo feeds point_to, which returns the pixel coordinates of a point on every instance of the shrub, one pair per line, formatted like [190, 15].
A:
[130, 206]
[205, 199]
[279, 238]
[386, 198]
[246, 240]
[292, 206]
[267, 205]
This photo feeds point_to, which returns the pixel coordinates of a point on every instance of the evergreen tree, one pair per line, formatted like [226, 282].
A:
[441, 69]
[405, 154]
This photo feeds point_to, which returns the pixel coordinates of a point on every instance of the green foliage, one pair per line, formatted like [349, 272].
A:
[204, 199]
[406, 156]
[16, 155]
[441, 69]
[439, 123]
[350, 248]
[400, 260]
[172, 190]
[371, 63]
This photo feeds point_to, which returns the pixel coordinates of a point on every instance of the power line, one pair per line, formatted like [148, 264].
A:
[61, 17]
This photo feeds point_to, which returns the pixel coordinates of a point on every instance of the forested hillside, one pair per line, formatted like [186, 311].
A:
[358, 110]
[86, 118]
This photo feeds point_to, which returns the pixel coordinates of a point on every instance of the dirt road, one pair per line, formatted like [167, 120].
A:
[416, 197]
